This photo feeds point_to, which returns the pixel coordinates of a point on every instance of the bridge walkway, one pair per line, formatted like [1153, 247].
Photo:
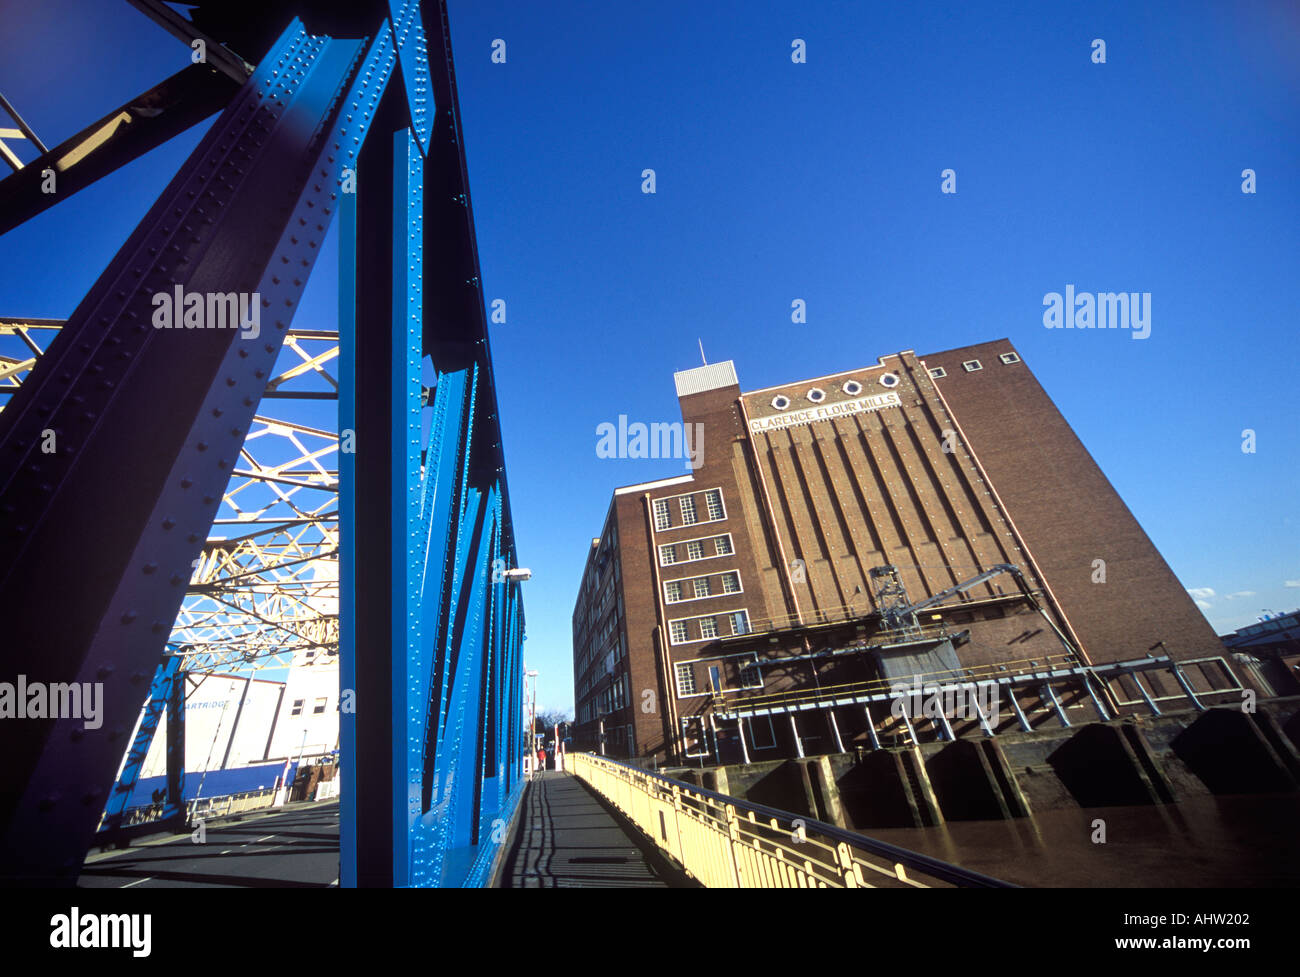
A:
[566, 836]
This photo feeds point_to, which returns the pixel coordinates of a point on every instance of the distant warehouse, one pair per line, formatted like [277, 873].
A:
[925, 524]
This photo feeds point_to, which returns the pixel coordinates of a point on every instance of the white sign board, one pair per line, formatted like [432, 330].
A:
[825, 412]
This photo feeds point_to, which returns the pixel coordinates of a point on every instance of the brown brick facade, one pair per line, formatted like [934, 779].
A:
[820, 481]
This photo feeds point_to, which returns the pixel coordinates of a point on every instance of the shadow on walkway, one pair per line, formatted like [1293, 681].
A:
[567, 836]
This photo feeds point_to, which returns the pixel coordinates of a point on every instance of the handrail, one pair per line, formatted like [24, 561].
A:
[722, 842]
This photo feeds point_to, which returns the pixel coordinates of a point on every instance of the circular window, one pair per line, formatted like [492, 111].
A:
[816, 395]
[852, 388]
[780, 401]
[889, 379]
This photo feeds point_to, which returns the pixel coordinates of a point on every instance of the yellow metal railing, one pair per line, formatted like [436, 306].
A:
[728, 843]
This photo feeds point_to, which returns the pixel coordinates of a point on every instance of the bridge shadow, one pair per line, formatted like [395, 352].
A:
[569, 837]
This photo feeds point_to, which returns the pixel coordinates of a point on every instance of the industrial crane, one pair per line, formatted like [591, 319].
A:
[897, 613]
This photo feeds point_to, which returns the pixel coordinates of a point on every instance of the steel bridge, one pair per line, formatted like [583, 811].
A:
[157, 423]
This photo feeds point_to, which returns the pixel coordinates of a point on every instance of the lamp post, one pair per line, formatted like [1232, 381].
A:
[532, 716]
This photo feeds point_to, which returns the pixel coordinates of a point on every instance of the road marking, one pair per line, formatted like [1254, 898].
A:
[137, 882]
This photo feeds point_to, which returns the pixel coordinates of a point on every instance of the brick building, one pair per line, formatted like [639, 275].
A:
[764, 605]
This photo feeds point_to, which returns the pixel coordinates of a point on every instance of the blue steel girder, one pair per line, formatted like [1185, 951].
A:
[167, 687]
[244, 216]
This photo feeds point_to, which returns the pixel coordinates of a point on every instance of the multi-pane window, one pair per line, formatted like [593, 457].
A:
[674, 591]
[708, 627]
[695, 550]
[667, 554]
[731, 583]
[713, 499]
[724, 545]
[663, 516]
[739, 622]
[297, 707]
[321, 703]
[750, 676]
[688, 510]
[678, 631]
[685, 678]
[701, 585]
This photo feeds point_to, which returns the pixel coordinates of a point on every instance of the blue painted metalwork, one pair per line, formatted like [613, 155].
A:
[166, 694]
[431, 625]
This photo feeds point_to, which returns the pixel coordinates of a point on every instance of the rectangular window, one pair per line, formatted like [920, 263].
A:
[938, 373]
[701, 585]
[667, 554]
[723, 544]
[1009, 358]
[695, 550]
[688, 510]
[297, 707]
[739, 622]
[320, 706]
[731, 583]
[685, 678]
[663, 517]
[673, 588]
[750, 676]
[715, 678]
[713, 499]
[970, 366]
[678, 629]
[708, 627]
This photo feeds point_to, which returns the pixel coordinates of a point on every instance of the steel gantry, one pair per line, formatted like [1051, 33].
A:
[216, 524]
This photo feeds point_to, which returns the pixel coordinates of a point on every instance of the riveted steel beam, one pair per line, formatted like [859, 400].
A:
[127, 389]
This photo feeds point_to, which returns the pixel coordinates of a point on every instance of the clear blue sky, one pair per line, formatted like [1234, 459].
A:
[821, 181]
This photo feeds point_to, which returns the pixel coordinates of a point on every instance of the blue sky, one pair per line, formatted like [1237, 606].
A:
[821, 181]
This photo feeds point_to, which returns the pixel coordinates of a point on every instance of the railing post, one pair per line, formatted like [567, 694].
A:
[733, 840]
[677, 827]
[845, 858]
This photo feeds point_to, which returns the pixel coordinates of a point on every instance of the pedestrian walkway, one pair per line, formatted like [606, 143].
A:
[565, 837]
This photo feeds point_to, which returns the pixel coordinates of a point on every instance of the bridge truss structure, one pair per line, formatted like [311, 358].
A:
[164, 512]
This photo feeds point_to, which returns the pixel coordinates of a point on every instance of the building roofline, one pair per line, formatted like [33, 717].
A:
[880, 362]
[676, 480]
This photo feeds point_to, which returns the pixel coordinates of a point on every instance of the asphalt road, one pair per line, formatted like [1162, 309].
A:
[294, 848]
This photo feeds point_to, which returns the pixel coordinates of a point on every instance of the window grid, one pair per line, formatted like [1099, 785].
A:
[731, 583]
[669, 553]
[708, 627]
[701, 586]
[674, 590]
[663, 516]
[713, 501]
[685, 678]
[678, 631]
[688, 510]
[739, 622]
